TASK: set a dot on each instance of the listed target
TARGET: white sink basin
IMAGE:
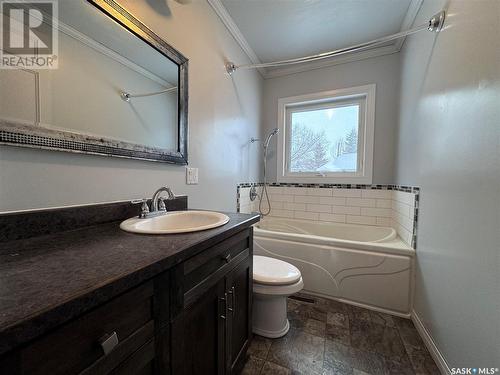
(175, 222)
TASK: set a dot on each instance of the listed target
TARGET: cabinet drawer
(139, 363)
(76, 345)
(105, 364)
(201, 266)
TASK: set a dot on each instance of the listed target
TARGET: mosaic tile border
(404, 188)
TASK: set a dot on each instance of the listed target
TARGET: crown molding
(233, 29)
(228, 21)
(411, 15)
(101, 48)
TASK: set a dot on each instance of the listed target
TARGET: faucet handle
(161, 204)
(144, 206)
(170, 193)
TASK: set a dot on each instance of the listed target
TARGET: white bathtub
(364, 265)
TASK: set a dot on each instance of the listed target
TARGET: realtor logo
(29, 34)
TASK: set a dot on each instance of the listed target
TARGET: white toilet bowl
(273, 281)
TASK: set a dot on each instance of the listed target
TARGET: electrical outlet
(191, 176)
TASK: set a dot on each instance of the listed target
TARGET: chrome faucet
(157, 203)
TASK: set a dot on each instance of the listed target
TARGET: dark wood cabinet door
(198, 335)
(239, 330)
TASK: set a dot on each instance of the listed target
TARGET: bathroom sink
(175, 222)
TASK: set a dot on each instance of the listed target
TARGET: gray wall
(383, 71)
(448, 144)
(224, 113)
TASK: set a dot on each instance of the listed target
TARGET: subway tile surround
(381, 205)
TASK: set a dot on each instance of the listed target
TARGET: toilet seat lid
(271, 271)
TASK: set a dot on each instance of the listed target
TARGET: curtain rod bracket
(230, 67)
(125, 96)
(436, 23)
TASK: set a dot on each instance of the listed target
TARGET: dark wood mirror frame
(20, 134)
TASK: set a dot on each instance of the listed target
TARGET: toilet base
(269, 315)
(272, 334)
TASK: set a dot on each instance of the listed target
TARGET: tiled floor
(328, 337)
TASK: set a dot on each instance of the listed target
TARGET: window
(327, 137)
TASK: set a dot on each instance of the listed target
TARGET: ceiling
(284, 29)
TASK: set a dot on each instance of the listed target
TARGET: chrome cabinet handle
(223, 316)
(227, 257)
(232, 292)
(233, 297)
(232, 301)
(108, 342)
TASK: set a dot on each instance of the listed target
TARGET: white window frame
(362, 95)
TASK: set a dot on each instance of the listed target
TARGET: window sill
(365, 180)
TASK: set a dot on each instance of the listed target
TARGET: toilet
(273, 281)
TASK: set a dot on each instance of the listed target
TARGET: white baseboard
(431, 345)
(359, 304)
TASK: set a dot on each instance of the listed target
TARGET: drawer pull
(227, 258)
(108, 342)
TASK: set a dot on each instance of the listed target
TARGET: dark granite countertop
(50, 279)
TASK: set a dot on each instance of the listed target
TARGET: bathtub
(363, 265)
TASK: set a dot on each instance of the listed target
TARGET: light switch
(191, 176)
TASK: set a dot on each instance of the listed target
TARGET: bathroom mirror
(118, 89)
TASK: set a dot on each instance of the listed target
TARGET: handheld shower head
(266, 145)
(268, 139)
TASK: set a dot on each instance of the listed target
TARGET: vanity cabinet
(193, 318)
(211, 325)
